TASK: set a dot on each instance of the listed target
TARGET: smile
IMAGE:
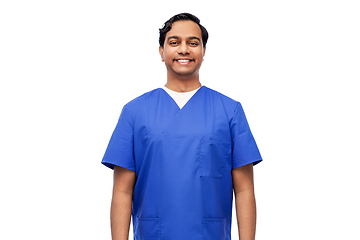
(184, 61)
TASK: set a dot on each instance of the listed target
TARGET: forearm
(246, 214)
(120, 215)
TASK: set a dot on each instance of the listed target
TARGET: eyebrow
(189, 38)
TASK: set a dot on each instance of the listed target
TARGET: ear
(161, 51)
(204, 51)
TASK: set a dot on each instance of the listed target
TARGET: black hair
(182, 16)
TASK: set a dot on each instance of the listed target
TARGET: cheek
(168, 52)
(200, 56)
(199, 53)
(167, 57)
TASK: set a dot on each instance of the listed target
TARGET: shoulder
(132, 106)
(229, 104)
(140, 99)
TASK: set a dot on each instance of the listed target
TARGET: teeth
(183, 61)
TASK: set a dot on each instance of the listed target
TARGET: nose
(183, 48)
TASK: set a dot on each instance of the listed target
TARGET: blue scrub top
(183, 160)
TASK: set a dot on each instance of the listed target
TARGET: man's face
(183, 49)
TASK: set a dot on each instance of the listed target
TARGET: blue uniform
(183, 160)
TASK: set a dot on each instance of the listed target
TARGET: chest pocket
(213, 158)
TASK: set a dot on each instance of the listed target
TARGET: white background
(68, 67)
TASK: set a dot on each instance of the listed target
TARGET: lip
(184, 60)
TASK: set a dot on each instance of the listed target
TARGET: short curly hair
(182, 16)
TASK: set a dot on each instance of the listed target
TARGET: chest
(202, 116)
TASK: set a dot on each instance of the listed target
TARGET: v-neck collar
(174, 102)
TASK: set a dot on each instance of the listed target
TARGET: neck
(182, 84)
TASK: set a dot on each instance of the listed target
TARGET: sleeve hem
(111, 164)
(254, 162)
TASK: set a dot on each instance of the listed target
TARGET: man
(178, 152)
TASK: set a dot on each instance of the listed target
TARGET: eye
(173, 43)
(194, 44)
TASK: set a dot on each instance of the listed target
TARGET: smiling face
(183, 50)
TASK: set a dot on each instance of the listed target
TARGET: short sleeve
(120, 150)
(244, 148)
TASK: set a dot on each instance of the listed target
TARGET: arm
(121, 204)
(245, 201)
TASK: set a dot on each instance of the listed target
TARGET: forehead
(184, 28)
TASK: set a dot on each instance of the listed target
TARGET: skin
(121, 204)
(245, 203)
(183, 42)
